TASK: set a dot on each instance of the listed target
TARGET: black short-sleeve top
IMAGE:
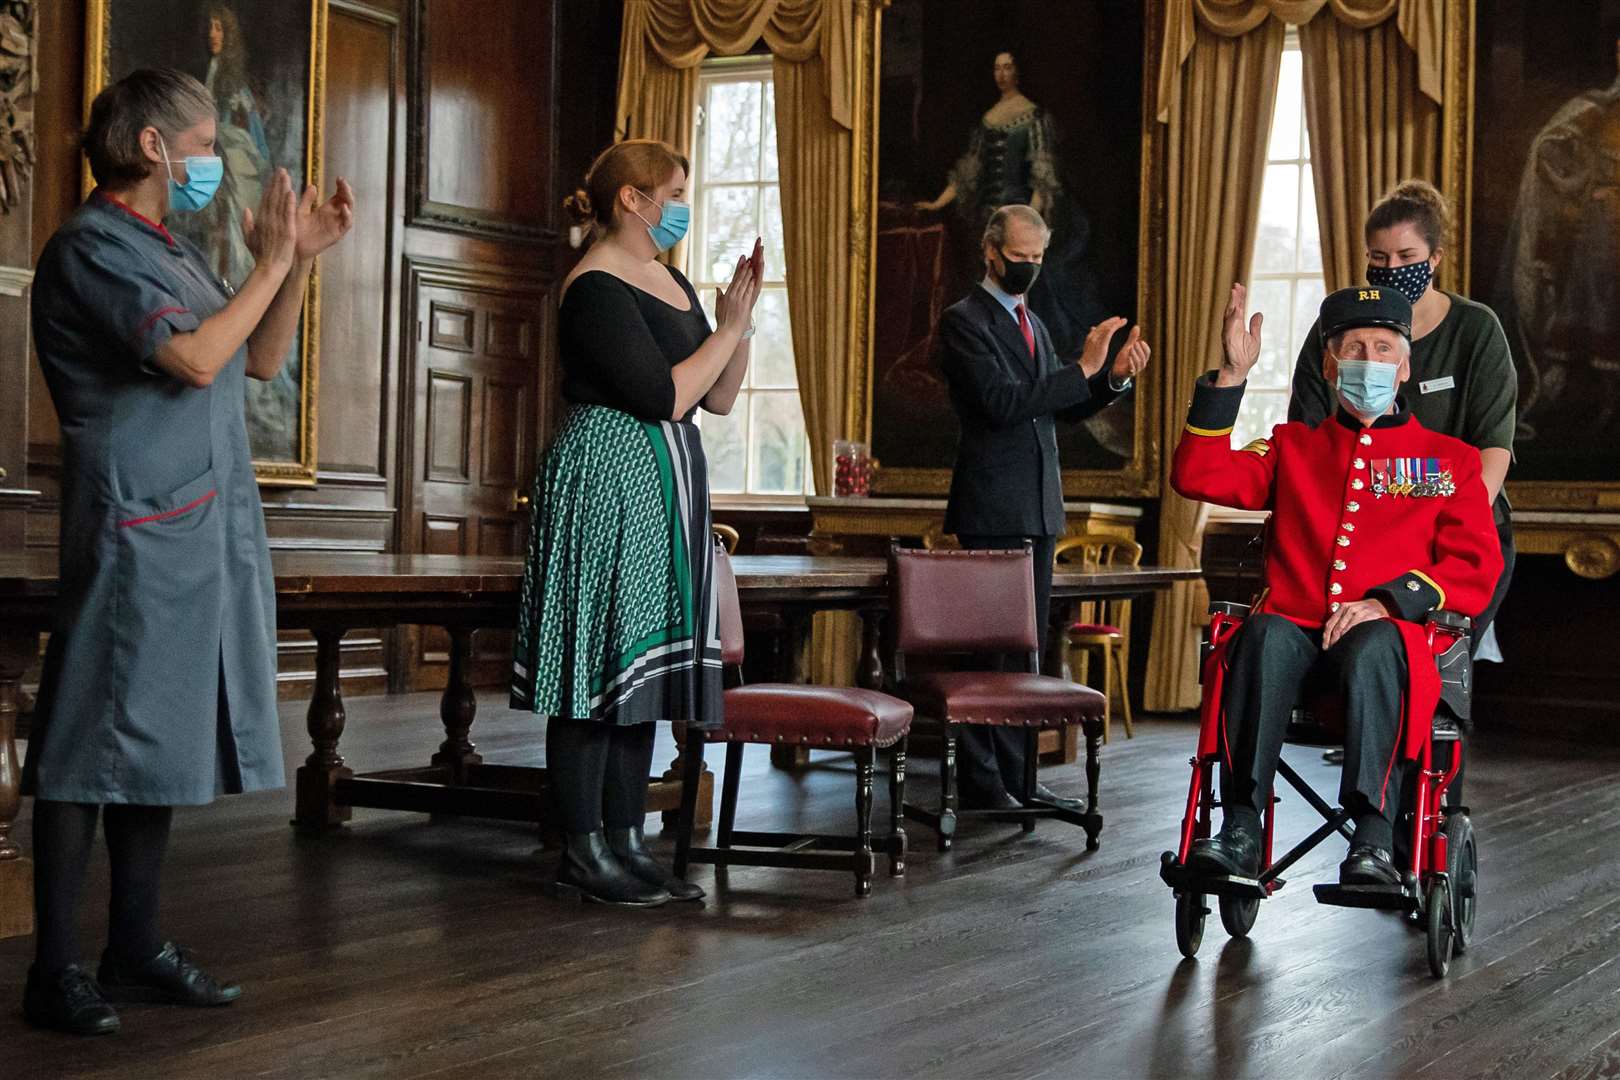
(618, 344)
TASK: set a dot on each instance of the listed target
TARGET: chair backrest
(962, 601)
(1095, 551)
(725, 589)
(727, 536)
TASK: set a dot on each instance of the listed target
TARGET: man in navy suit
(1008, 387)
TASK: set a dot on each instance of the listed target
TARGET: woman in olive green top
(1463, 383)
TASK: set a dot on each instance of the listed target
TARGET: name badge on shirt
(1432, 385)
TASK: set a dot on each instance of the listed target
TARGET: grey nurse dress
(159, 683)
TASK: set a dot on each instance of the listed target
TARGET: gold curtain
(1218, 111)
(812, 42)
(1370, 125)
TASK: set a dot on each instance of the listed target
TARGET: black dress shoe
(68, 1001)
(1047, 795)
(1368, 865)
(590, 871)
(1234, 851)
(169, 978)
(630, 845)
(989, 800)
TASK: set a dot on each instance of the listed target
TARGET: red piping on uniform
(146, 323)
(1399, 738)
(192, 505)
(136, 214)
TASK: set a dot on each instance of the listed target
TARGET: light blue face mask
(672, 223)
(1367, 387)
(203, 175)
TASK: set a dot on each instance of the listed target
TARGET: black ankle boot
(630, 845)
(590, 871)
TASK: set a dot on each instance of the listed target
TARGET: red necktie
(1029, 331)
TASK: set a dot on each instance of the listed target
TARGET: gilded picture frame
(1135, 472)
(1539, 195)
(273, 117)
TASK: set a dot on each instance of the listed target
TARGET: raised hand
(1132, 358)
(735, 306)
(319, 227)
(272, 233)
(1095, 352)
(1240, 345)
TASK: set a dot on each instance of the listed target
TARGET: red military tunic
(1392, 511)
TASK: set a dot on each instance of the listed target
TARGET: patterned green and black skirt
(618, 620)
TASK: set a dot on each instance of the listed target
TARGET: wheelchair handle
(1450, 620)
(1227, 607)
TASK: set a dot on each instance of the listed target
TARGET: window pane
(1261, 412)
(1271, 298)
(767, 164)
(1308, 293)
(1279, 210)
(731, 144)
(778, 434)
(771, 211)
(1285, 121)
(729, 228)
(1310, 231)
(723, 446)
(772, 366)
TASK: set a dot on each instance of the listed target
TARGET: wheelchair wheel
(1462, 867)
(1190, 912)
(1237, 915)
(1437, 910)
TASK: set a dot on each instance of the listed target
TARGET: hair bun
(578, 206)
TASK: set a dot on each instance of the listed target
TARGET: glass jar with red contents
(852, 469)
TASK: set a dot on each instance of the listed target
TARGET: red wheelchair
(1435, 848)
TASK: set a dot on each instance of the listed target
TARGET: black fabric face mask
(1018, 277)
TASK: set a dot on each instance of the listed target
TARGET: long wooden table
(330, 594)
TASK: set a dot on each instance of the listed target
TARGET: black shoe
(630, 845)
(1234, 851)
(69, 1001)
(1047, 795)
(1368, 865)
(590, 871)
(169, 978)
(989, 800)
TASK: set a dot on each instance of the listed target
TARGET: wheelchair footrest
(1184, 879)
(1381, 897)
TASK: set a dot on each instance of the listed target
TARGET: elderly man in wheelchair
(1376, 525)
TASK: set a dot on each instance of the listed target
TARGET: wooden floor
(399, 947)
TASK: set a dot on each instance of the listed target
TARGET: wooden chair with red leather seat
(1103, 625)
(982, 603)
(834, 718)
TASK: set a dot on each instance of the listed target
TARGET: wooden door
(480, 397)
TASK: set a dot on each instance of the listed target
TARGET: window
(1285, 279)
(760, 449)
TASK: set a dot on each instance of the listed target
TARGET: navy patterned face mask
(1411, 280)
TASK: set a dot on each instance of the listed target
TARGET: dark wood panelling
(449, 427)
(358, 287)
(444, 535)
(450, 327)
(484, 146)
(506, 432)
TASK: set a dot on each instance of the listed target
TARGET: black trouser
(990, 759)
(1275, 665)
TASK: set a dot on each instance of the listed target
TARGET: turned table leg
(16, 872)
(458, 708)
(318, 776)
(676, 773)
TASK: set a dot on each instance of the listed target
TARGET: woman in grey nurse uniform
(159, 685)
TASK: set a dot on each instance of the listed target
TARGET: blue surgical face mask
(672, 222)
(203, 175)
(1367, 387)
